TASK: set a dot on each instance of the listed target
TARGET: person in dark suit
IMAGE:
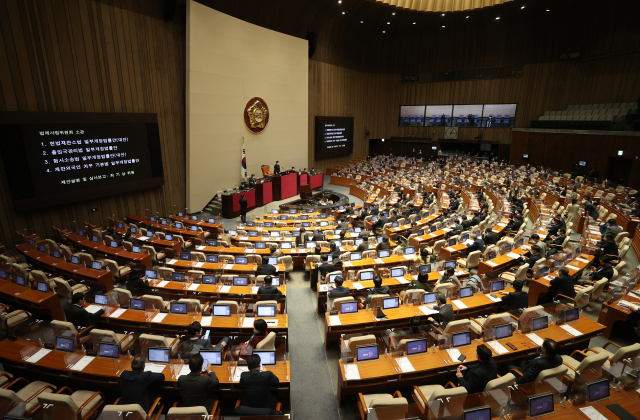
(561, 285)
(378, 288)
(300, 239)
(594, 174)
(489, 237)
(385, 244)
(454, 205)
(318, 236)
(138, 386)
(598, 273)
(608, 246)
(243, 209)
(325, 266)
(533, 259)
(334, 251)
(137, 280)
(591, 209)
(77, 315)
(268, 290)
(445, 310)
(257, 386)
(193, 342)
(477, 375)
(611, 227)
(337, 292)
(548, 360)
(252, 181)
(477, 245)
(276, 167)
(558, 223)
(555, 245)
(516, 300)
(266, 269)
(194, 386)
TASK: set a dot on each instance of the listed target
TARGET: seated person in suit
(364, 246)
(275, 251)
(445, 310)
(449, 277)
(561, 285)
(318, 236)
(257, 386)
(555, 243)
(558, 222)
(226, 237)
(77, 315)
(598, 273)
(423, 258)
(489, 237)
(137, 280)
(138, 386)
(378, 288)
(475, 377)
(533, 258)
(543, 245)
(194, 386)
(611, 227)
(269, 291)
(259, 333)
(266, 269)
(607, 247)
(516, 300)
(385, 244)
(548, 360)
(193, 342)
(325, 266)
(477, 245)
(337, 292)
(334, 251)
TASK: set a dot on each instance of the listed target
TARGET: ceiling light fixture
(522, 7)
(362, 21)
(393, 14)
(344, 13)
(467, 17)
(498, 18)
(384, 32)
(548, 10)
(388, 23)
(339, 1)
(442, 14)
(414, 23)
(443, 26)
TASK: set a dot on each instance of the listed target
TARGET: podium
(305, 192)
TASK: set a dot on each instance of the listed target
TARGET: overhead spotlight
(339, 1)
(393, 14)
(388, 23)
(414, 23)
(498, 18)
(522, 7)
(442, 14)
(362, 21)
(443, 26)
(384, 32)
(548, 10)
(467, 17)
(344, 13)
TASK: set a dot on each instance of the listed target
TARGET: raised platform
(320, 200)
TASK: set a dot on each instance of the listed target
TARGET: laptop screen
(355, 256)
(286, 245)
(178, 225)
(114, 244)
(212, 242)
(267, 357)
(42, 248)
(212, 259)
(465, 237)
(275, 234)
(268, 224)
(179, 308)
(251, 224)
(178, 277)
(384, 253)
(323, 224)
(433, 228)
(273, 260)
(158, 355)
(3, 274)
(571, 314)
(21, 281)
(366, 275)
(185, 256)
(214, 357)
(348, 307)
(450, 264)
(461, 339)
(253, 233)
(208, 279)
(135, 249)
(164, 222)
(274, 211)
(504, 331)
(221, 310)
(134, 229)
(395, 224)
(390, 303)
(266, 311)
(137, 304)
(261, 245)
(306, 224)
(310, 245)
(56, 253)
(480, 413)
(364, 353)
(233, 232)
(240, 281)
(111, 351)
(507, 248)
(100, 299)
(64, 344)
(332, 277)
(424, 268)
(359, 241)
(75, 259)
(466, 292)
(417, 346)
(211, 220)
(43, 287)
(168, 237)
(452, 242)
(397, 272)
(283, 217)
(242, 260)
(497, 285)
(96, 265)
(409, 250)
(540, 405)
(194, 228)
(540, 323)
(598, 390)
(292, 211)
(429, 298)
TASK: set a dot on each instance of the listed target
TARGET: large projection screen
(228, 62)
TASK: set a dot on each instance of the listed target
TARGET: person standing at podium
(243, 209)
(276, 167)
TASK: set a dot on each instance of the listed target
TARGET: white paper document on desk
(351, 372)
(206, 321)
(34, 358)
(454, 354)
(93, 308)
(117, 313)
(570, 330)
(334, 320)
(535, 338)
(592, 413)
(491, 263)
(193, 286)
(378, 261)
(428, 311)
(82, 363)
(357, 286)
(494, 299)
(513, 255)
(459, 304)
(200, 247)
(401, 280)
(163, 283)
(247, 322)
(323, 287)
(172, 261)
(405, 364)
(152, 367)
(199, 264)
(499, 348)
(185, 370)
(239, 370)
(225, 289)
(159, 318)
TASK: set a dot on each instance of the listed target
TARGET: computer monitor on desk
(385, 253)
(266, 311)
(479, 413)
(212, 259)
(221, 310)
(571, 314)
(209, 279)
(366, 275)
(214, 357)
(64, 344)
(391, 303)
(416, 346)
(367, 353)
(449, 264)
(348, 307)
(503, 331)
(99, 299)
(108, 350)
(429, 298)
(240, 281)
(267, 357)
(179, 308)
(465, 292)
(497, 285)
(598, 390)
(541, 404)
(158, 355)
(424, 269)
(461, 339)
(540, 323)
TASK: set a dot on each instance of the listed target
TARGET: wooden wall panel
(94, 56)
(561, 150)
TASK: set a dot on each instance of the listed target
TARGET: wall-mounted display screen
(334, 136)
(53, 158)
(478, 115)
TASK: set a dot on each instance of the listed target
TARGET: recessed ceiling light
(362, 21)
(522, 7)
(498, 18)
(393, 14)
(339, 1)
(548, 10)
(442, 14)
(414, 23)
(384, 32)
(344, 13)
(467, 17)
(388, 23)
(443, 26)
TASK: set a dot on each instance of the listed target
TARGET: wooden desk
(419, 225)
(206, 289)
(429, 238)
(158, 244)
(264, 193)
(96, 278)
(225, 268)
(100, 373)
(501, 262)
(231, 203)
(118, 254)
(542, 285)
(384, 375)
(211, 227)
(185, 233)
(612, 313)
(31, 300)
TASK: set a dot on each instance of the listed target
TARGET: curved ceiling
(441, 6)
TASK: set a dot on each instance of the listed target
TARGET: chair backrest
(448, 393)
(232, 303)
(337, 301)
(63, 288)
(503, 382)
(126, 408)
(385, 400)
(414, 294)
(267, 343)
(598, 287)
(9, 395)
(154, 302)
(193, 411)
(457, 326)
(628, 352)
(361, 340)
(592, 362)
(195, 303)
(473, 259)
(123, 295)
(555, 372)
(444, 288)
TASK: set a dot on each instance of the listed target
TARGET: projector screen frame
(317, 148)
(14, 166)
